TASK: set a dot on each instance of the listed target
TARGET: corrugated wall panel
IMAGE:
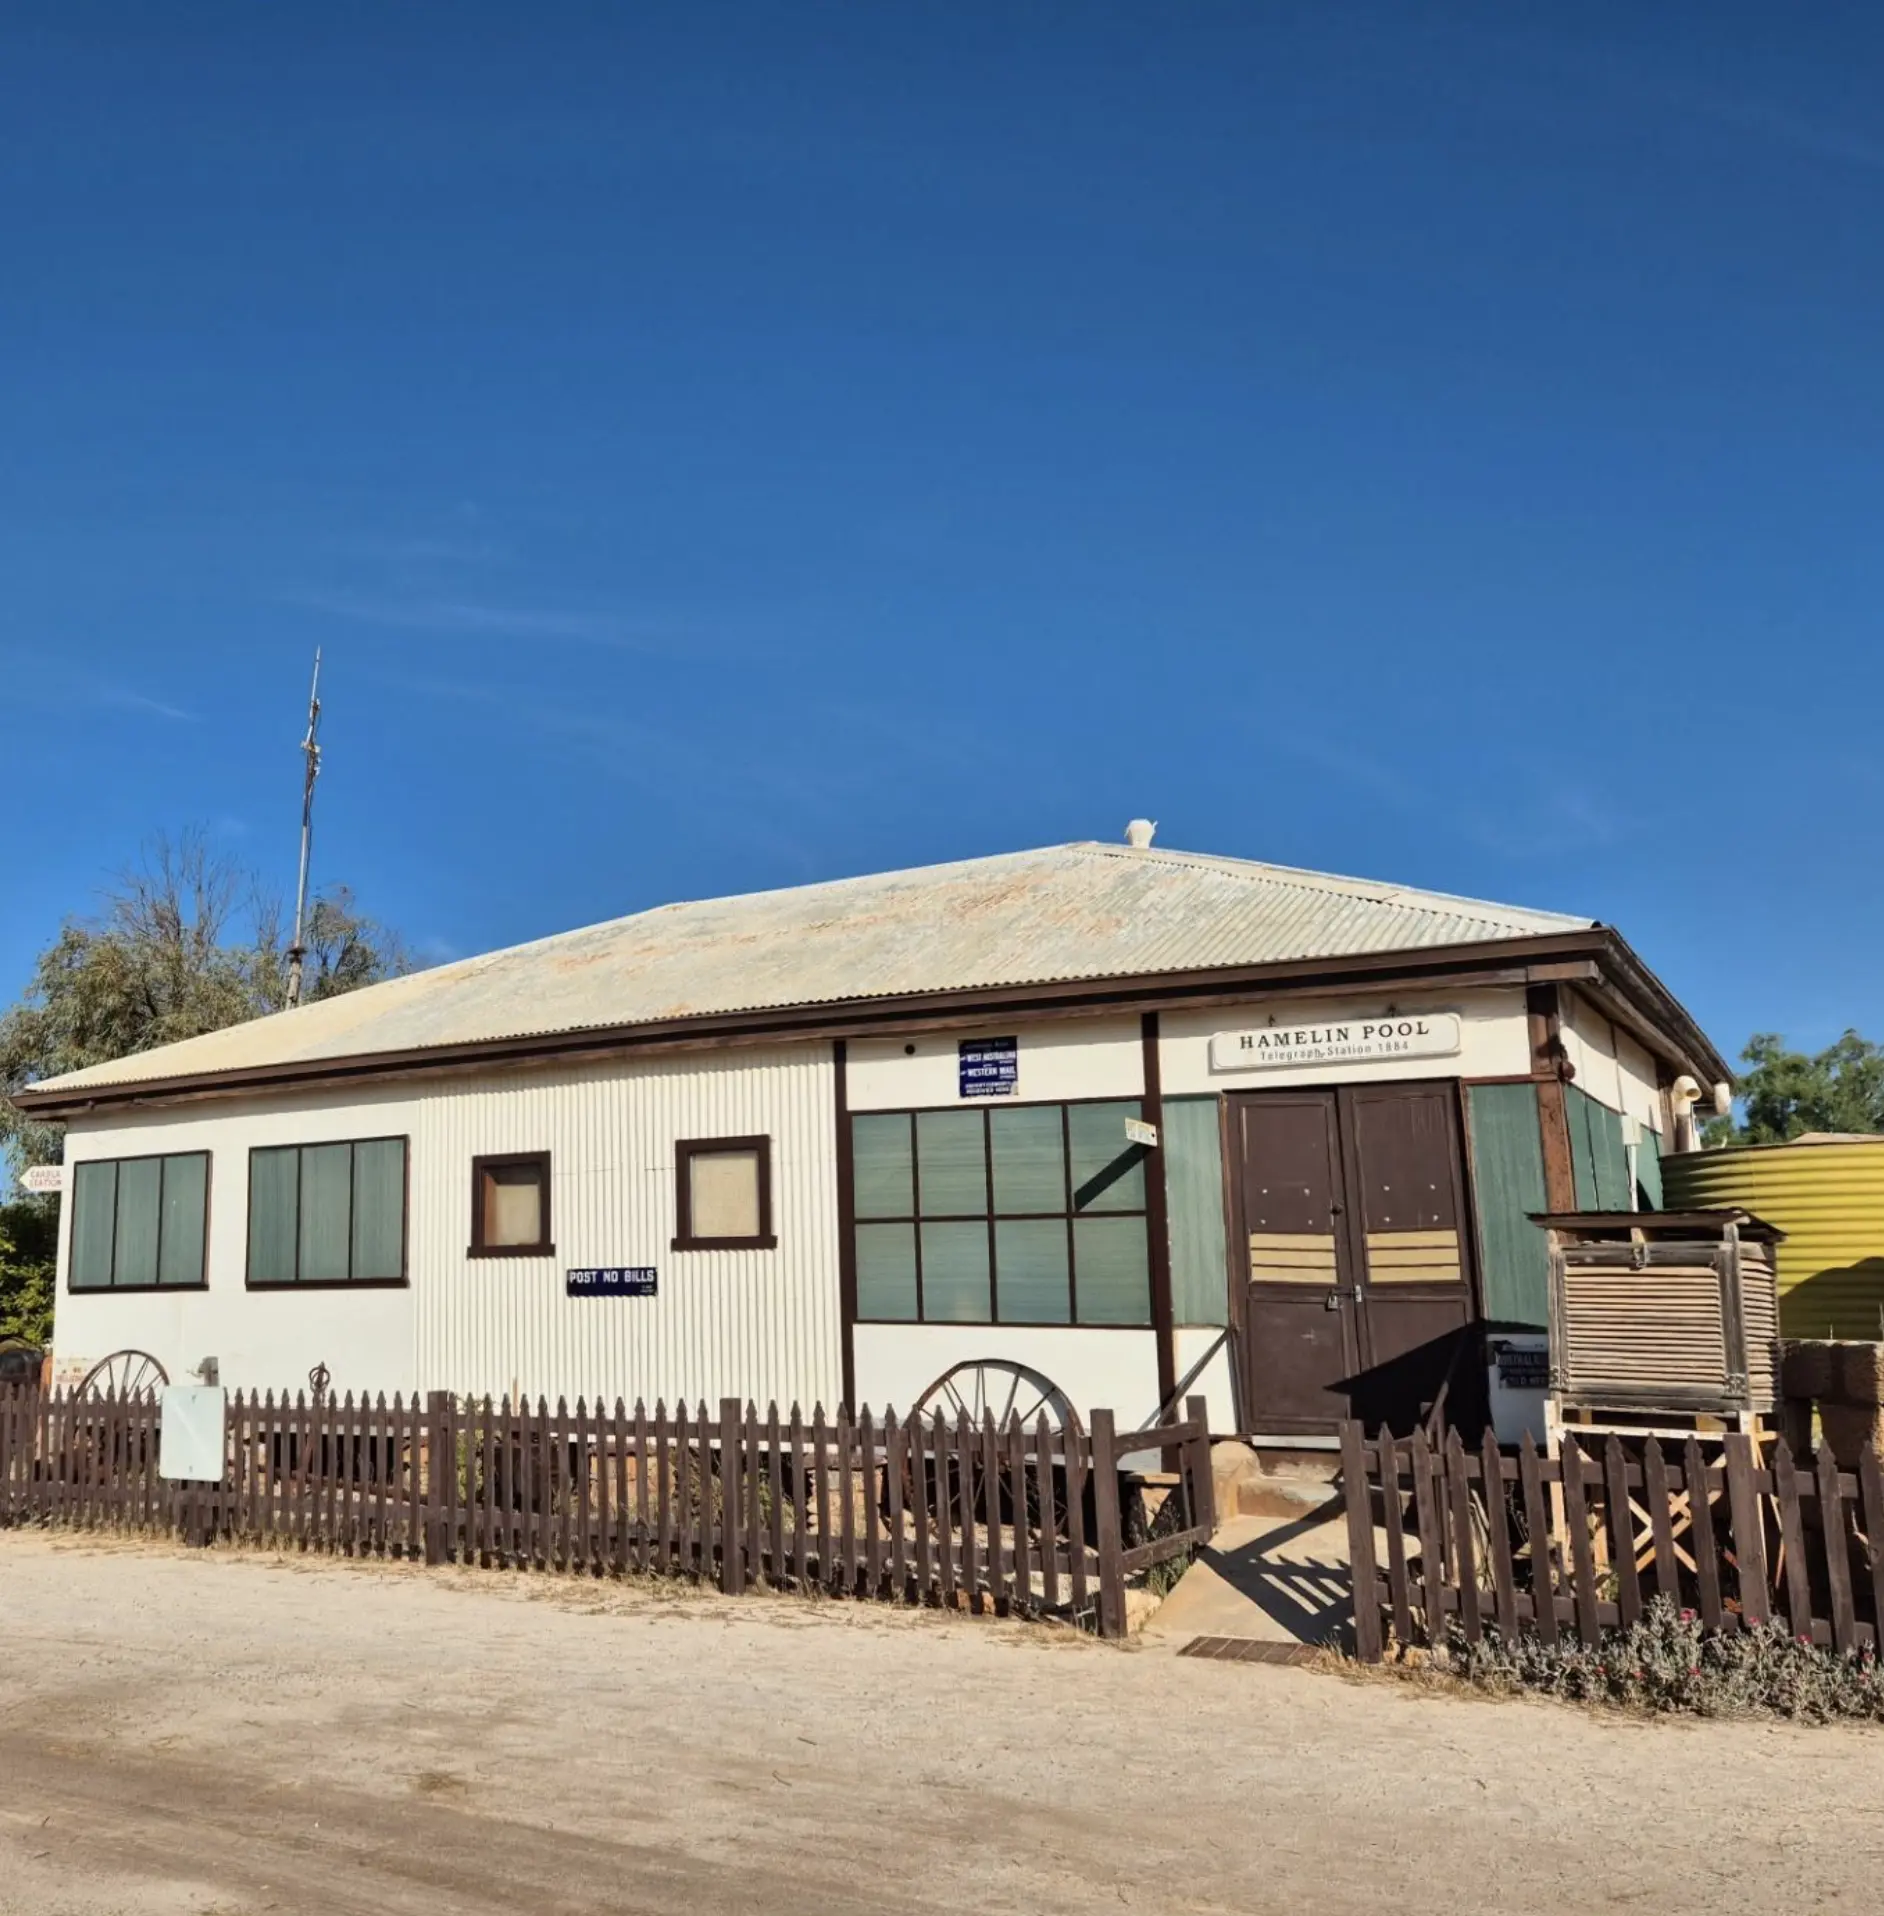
(1829, 1200)
(760, 1323)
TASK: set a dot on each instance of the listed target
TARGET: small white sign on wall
(189, 1447)
(1424, 1034)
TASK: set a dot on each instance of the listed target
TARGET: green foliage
(1668, 1663)
(1784, 1094)
(29, 1250)
(186, 943)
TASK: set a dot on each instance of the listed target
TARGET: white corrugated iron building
(1108, 1122)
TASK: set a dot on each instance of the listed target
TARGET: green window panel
(1507, 1187)
(139, 1223)
(1110, 1256)
(274, 1215)
(1108, 1170)
(1597, 1157)
(883, 1165)
(94, 1215)
(1193, 1196)
(1648, 1170)
(328, 1213)
(1036, 1274)
(1027, 1144)
(886, 1272)
(952, 1163)
(955, 1277)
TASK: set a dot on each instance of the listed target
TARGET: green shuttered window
(328, 1213)
(1596, 1154)
(1193, 1196)
(1507, 1186)
(140, 1223)
(1019, 1214)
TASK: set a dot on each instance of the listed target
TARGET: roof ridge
(1376, 891)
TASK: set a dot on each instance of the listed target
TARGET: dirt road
(238, 1733)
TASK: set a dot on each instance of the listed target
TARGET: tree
(1784, 1094)
(187, 942)
(29, 1250)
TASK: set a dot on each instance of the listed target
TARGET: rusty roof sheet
(1063, 913)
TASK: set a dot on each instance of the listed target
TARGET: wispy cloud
(122, 695)
(470, 618)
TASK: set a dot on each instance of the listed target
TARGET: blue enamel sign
(990, 1067)
(614, 1280)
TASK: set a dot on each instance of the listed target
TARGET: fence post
(435, 1461)
(1110, 1542)
(1360, 1501)
(732, 1530)
(1203, 1481)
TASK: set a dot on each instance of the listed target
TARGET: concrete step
(1272, 1482)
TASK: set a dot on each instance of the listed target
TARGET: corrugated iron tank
(1827, 1195)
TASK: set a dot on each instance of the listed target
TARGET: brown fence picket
(821, 1495)
(801, 1504)
(846, 1584)
(663, 1489)
(1621, 1534)
(642, 1465)
(894, 1453)
(1792, 1542)
(1022, 1595)
(1658, 1494)
(1748, 1520)
(939, 1480)
(872, 1528)
(1360, 1503)
(1871, 1508)
(1837, 1551)
(1705, 1546)
(754, 1492)
(1465, 1557)
(1426, 1512)
(1582, 1555)
(1048, 1505)
(999, 1559)
(1110, 1541)
(1078, 1477)
(1393, 1512)
(1498, 1534)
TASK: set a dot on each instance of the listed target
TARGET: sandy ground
(228, 1733)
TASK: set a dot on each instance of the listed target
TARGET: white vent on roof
(1138, 833)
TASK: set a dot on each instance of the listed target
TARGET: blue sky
(722, 447)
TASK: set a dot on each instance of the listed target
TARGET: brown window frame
(280, 1286)
(685, 1151)
(199, 1283)
(545, 1246)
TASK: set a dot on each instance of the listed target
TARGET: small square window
(510, 1206)
(723, 1199)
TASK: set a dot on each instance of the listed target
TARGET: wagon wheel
(998, 1387)
(124, 1374)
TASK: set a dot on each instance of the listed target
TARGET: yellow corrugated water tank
(1827, 1195)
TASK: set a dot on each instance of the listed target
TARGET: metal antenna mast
(311, 752)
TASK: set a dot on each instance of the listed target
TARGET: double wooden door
(1350, 1219)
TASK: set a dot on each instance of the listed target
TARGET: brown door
(1406, 1206)
(1349, 1207)
(1299, 1343)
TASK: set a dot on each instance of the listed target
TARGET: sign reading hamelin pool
(1428, 1034)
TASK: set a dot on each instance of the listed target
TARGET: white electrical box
(190, 1448)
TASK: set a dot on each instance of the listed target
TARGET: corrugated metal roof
(1063, 913)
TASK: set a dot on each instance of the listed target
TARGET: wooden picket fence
(916, 1510)
(1445, 1536)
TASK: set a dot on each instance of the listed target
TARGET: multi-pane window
(1022, 1214)
(510, 1206)
(139, 1223)
(328, 1213)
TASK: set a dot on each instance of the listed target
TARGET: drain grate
(1249, 1650)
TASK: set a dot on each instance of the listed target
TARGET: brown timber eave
(1591, 956)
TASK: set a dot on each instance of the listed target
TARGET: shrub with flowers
(1668, 1662)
